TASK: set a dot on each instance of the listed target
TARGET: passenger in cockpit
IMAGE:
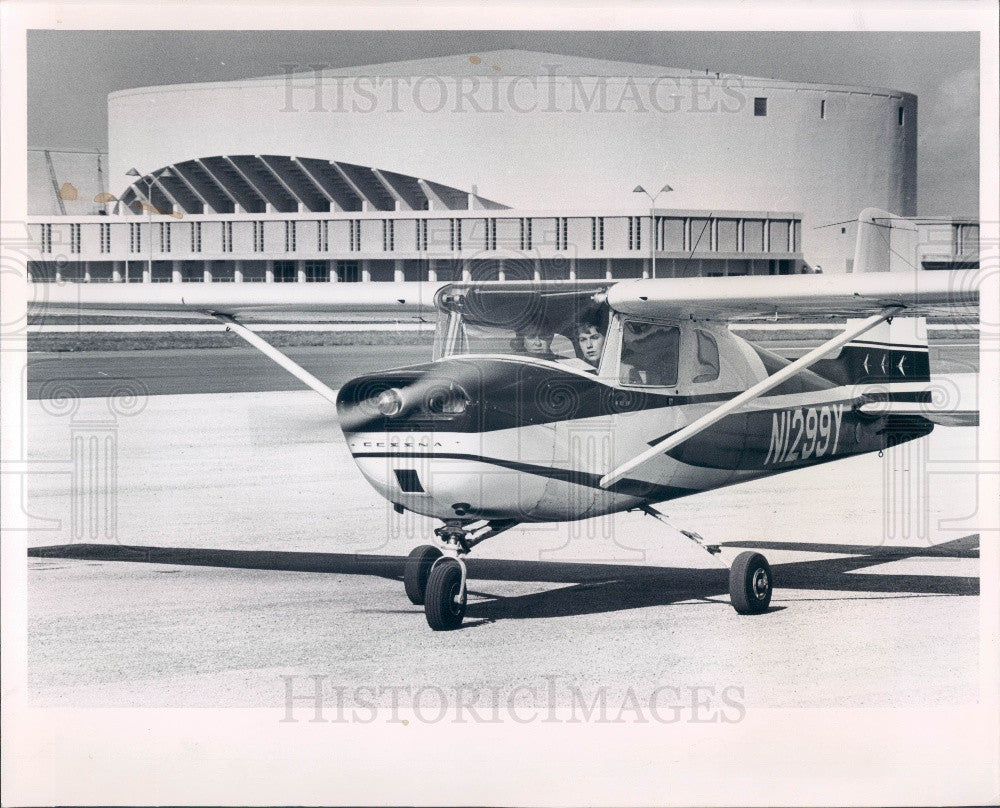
(538, 343)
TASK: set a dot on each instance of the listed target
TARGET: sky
(70, 74)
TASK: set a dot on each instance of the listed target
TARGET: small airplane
(564, 400)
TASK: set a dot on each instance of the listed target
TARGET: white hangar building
(505, 163)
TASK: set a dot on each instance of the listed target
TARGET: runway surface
(203, 546)
(205, 370)
(244, 369)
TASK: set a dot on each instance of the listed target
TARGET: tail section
(893, 351)
(885, 243)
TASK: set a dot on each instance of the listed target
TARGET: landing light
(390, 402)
(449, 401)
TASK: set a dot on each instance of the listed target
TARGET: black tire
(440, 607)
(415, 571)
(750, 583)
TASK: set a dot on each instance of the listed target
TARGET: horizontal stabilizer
(923, 410)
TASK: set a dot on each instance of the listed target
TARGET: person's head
(590, 334)
(591, 342)
(538, 341)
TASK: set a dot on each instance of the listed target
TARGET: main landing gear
(750, 579)
(750, 583)
(436, 578)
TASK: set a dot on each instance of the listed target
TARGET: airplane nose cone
(448, 439)
(390, 400)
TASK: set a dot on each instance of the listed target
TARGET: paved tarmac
(192, 550)
(205, 370)
(244, 369)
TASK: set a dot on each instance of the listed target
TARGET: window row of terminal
(407, 246)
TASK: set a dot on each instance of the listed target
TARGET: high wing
(235, 299)
(799, 297)
(885, 275)
(231, 303)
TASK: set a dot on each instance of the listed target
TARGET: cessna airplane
(564, 400)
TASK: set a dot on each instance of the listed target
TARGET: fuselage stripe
(629, 487)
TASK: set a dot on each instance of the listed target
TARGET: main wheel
(415, 571)
(750, 583)
(443, 606)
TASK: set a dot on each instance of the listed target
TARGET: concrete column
(607, 269)
(86, 271)
(333, 272)
(237, 272)
(466, 270)
(501, 270)
(645, 267)
(206, 274)
(116, 271)
(398, 275)
(432, 274)
(300, 271)
(269, 271)
(366, 270)
(572, 268)
(538, 269)
(58, 274)
(147, 274)
(176, 274)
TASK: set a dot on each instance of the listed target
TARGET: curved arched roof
(282, 184)
(509, 63)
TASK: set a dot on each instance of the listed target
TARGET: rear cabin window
(708, 358)
(649, 354)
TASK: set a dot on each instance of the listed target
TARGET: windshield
(564, 323)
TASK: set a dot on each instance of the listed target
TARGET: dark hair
(537, 330)
(594, 318)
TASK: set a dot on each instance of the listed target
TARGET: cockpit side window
(650, 354)
(708, 358)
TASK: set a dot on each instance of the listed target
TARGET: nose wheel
(435, 576)
(446, 596)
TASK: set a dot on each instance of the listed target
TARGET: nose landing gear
(437, 577)
(446, 596)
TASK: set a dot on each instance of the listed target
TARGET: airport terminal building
(507, 164)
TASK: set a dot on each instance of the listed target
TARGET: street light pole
(148, 180)
(652, 220)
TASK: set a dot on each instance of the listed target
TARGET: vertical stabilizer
(886, 243)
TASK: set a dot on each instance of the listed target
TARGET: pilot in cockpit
(590, 334)
(585, 335)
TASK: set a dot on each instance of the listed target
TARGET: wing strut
(271, 352)
(720, 412)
